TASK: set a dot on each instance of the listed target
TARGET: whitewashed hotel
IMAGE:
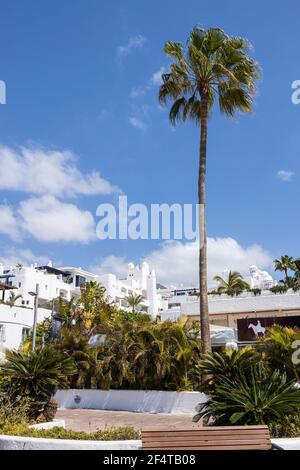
(17, 320)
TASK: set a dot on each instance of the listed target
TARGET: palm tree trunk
(204, 315)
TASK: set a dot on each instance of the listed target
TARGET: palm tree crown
(284, 264)
(211, 64)
(235, 283)
(134, 301)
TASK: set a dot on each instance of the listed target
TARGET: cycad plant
(227, 363)
(256, 398)
(211, 66)
(36, 375)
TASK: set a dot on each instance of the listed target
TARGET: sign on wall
(251, 329)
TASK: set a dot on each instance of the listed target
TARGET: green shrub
(254, 397)
(288, 426)
(35, 376)
(112, 434)
(13, 413)
(226, 364)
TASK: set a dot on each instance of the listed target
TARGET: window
(25, 333)
(79, 280)
(2, 334)
(20, 284)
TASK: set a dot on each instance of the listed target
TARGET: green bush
(289, 426)
(13, 412)
(112, 434)
(35, 376)
(257, 396)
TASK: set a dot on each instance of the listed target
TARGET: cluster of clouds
(177, 261)
(133, 43)
(139, 118)
(49, 177)
(285, 175)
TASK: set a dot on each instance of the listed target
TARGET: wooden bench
(209, 438)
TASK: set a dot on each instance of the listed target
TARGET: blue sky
(81, 78)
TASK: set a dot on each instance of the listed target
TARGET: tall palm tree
(211, 65)
(284, 264)
(134, 301)
(234, 284)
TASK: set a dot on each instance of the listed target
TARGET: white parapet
(139, 401)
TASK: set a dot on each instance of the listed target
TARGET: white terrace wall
(139, 401)
(14, 320)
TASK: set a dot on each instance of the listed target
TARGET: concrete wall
(139, 401)
(32, 443)
(14, 320)
(29, 443)
(246, 302)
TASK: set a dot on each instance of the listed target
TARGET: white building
(17, 320)
(140, 280)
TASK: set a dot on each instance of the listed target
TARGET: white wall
(32, 443)
(139, 401)
(14, 320)
(244, 303)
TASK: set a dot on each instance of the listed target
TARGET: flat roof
(6, 286)
(51, 270)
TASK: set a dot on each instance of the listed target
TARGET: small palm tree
(212, 66)
(234, 285)
(285, 264)
(134, 301)
(12, 300)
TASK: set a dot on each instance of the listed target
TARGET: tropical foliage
(256, 397)
(138, 354)
(280, 346)
(233, 285)
(134, 301)
(35, 376)
(286, 264)
(12, 300)
(211, 66)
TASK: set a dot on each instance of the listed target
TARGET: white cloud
(111, 265)
(285, 176)
(49, 220)
(134, 42)
(40, 171)
(8, 222)
(176, 263)
(136, 122)
(156, 78)
(137, 92)
(10, 256)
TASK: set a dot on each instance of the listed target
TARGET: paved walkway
(91, 420)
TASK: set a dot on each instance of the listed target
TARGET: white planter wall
(140, 401)
(34, 443)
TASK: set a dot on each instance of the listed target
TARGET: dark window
(79, 280)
